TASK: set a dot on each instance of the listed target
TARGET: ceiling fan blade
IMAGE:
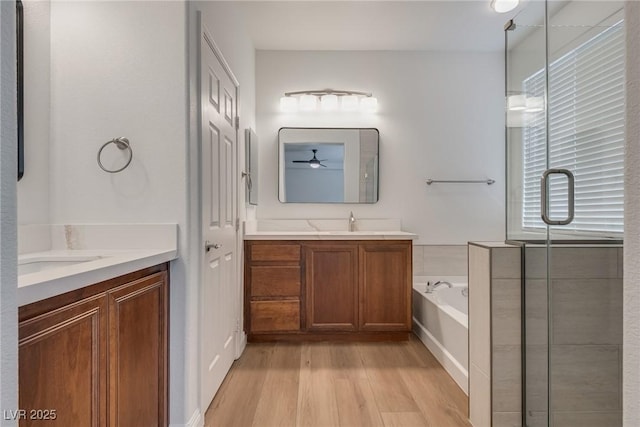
(322, 160)
(300, 161)
(322, 165)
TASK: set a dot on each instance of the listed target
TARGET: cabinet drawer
(275, 252)
(275, 281)
(275, 316)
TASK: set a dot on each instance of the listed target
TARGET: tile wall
(586, 346)
(494, 335)
(440, 260)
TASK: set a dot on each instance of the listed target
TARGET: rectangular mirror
(251, 166)
(324, 165)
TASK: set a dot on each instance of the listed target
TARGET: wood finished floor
(338, 384)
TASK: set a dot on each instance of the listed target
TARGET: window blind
(586, 136)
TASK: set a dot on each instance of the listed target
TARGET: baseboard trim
(242, 344)
(196, 420)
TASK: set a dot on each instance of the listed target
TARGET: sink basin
(35, 265)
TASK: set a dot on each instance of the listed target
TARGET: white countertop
(325, 229)
(330, 235)
(88, 254)
(112, 263)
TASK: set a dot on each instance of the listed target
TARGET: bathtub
(440, 320)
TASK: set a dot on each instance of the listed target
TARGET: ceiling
(448, 25)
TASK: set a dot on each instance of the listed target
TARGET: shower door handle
(544, 200)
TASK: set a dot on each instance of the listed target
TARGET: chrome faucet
(431, 288)
(352, 222)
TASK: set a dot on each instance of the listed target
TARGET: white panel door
(219, 274)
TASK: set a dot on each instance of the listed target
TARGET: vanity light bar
(329, 100)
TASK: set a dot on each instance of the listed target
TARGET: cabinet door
(62, 366)
(385, 286)
(331, 285)
(137, 353)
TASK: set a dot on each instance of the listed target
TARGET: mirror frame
(331, 128)
(20, 85)
(251, 166)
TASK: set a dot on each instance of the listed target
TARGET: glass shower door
(565, 127)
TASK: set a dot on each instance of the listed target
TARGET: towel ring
(123, 144)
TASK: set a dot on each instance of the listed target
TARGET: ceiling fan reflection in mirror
(313, 162)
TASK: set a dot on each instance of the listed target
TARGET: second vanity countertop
(79, 256)
(326, 229)
(95, 266)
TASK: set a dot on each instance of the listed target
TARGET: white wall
(440, 116)
(631, 298)
(120, 69)
(8, 217)
(33, 188)
(225, 23)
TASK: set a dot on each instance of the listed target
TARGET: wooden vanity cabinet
(331, 286)
(328, 289)
(273, 278)
(97, 356)
(62, 365)
(385, 286)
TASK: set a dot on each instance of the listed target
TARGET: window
(586, 136)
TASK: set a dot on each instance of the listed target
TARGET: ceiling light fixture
(330, 100)
(504, 6)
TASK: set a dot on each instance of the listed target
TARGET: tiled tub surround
(113, 249)
(494, 335)
(586, 285)
(440, 260)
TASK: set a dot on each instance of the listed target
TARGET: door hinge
(237, 122)
(237, 224)
(237, 325)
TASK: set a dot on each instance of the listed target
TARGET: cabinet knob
(208, 246)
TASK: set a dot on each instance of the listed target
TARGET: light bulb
(308, 103)
(503, 6)
(534, 104)
(314, 165)
(329, 102)
(516, 103)
(369, 104)
(288, 104)
(350, 102)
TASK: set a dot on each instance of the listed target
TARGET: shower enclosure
(564, 146)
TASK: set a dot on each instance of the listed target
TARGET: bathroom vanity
(93, 325)
(325, 285)
(98, 355)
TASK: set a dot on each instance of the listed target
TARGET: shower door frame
(550, 243)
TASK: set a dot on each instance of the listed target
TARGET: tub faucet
(352, 221)
(431, 288)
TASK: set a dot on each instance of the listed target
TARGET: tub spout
(431, 288)
(442, 282)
